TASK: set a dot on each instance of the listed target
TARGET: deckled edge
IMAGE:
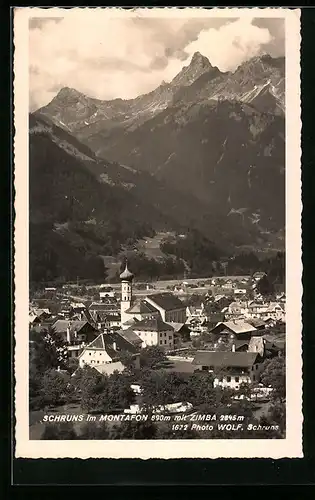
(133, 10)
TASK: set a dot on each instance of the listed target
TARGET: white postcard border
(289, 447)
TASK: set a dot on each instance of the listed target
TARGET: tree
(217, 401)
(90, 384)
(152, 357)
(128, 361)
(47, 350)
(161, 388)
(35, 383)
(197, 389)
(243, 406)
(197, 343)
(54, 387)
(102, 393)
(273, 374)
(265, 286)
(118, 394)
(72, 365)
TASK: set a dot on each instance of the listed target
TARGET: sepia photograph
(157, 236)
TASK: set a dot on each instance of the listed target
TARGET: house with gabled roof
(37, 316)
(229, 368)
(170, 307)
(75, 331)
(154, 331)
(108, 348)
(142, 309)
(129, 335)
(236, 329)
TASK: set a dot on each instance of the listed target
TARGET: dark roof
(130, 336)
(131, 322)
(225, 359)
(113, 317)
(106, 341)
(256, 322)
(180, 366)
(214, 317)
(100, 307)
(236, 326)
(176, 326)
(46, 325)
(141, 307)
(166, 301)
(153, 324)
(88, 316)
(61, 325)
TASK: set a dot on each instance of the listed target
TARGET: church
(155, 318)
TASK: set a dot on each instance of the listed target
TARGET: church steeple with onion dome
(126, 293)
(126, 275)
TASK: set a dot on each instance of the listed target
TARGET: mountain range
(206, 150)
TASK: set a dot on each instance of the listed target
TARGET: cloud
(232, 44)
(123, 57)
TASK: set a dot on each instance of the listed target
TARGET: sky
(124, 57)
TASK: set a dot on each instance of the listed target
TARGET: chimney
(68, 334)
(233, 347)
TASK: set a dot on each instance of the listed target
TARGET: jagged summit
(199, 59)
(199, 65)
(263, 59)
(69, 92)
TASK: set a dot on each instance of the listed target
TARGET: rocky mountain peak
(200, 60)
(69, 94)
(199, 64)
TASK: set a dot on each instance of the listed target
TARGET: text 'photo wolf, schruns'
(156, 228)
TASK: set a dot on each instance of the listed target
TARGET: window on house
(228, 378)
(170, 337)
(237, 379)
(165, 341)
(90, 353)
(161, 342)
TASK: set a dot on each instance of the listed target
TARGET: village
(229, 328)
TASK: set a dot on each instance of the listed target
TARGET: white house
(155, 332)
(106, 291)
(108, 348)
(170, 307)
(230, 369)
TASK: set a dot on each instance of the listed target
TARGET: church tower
(126, 294)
